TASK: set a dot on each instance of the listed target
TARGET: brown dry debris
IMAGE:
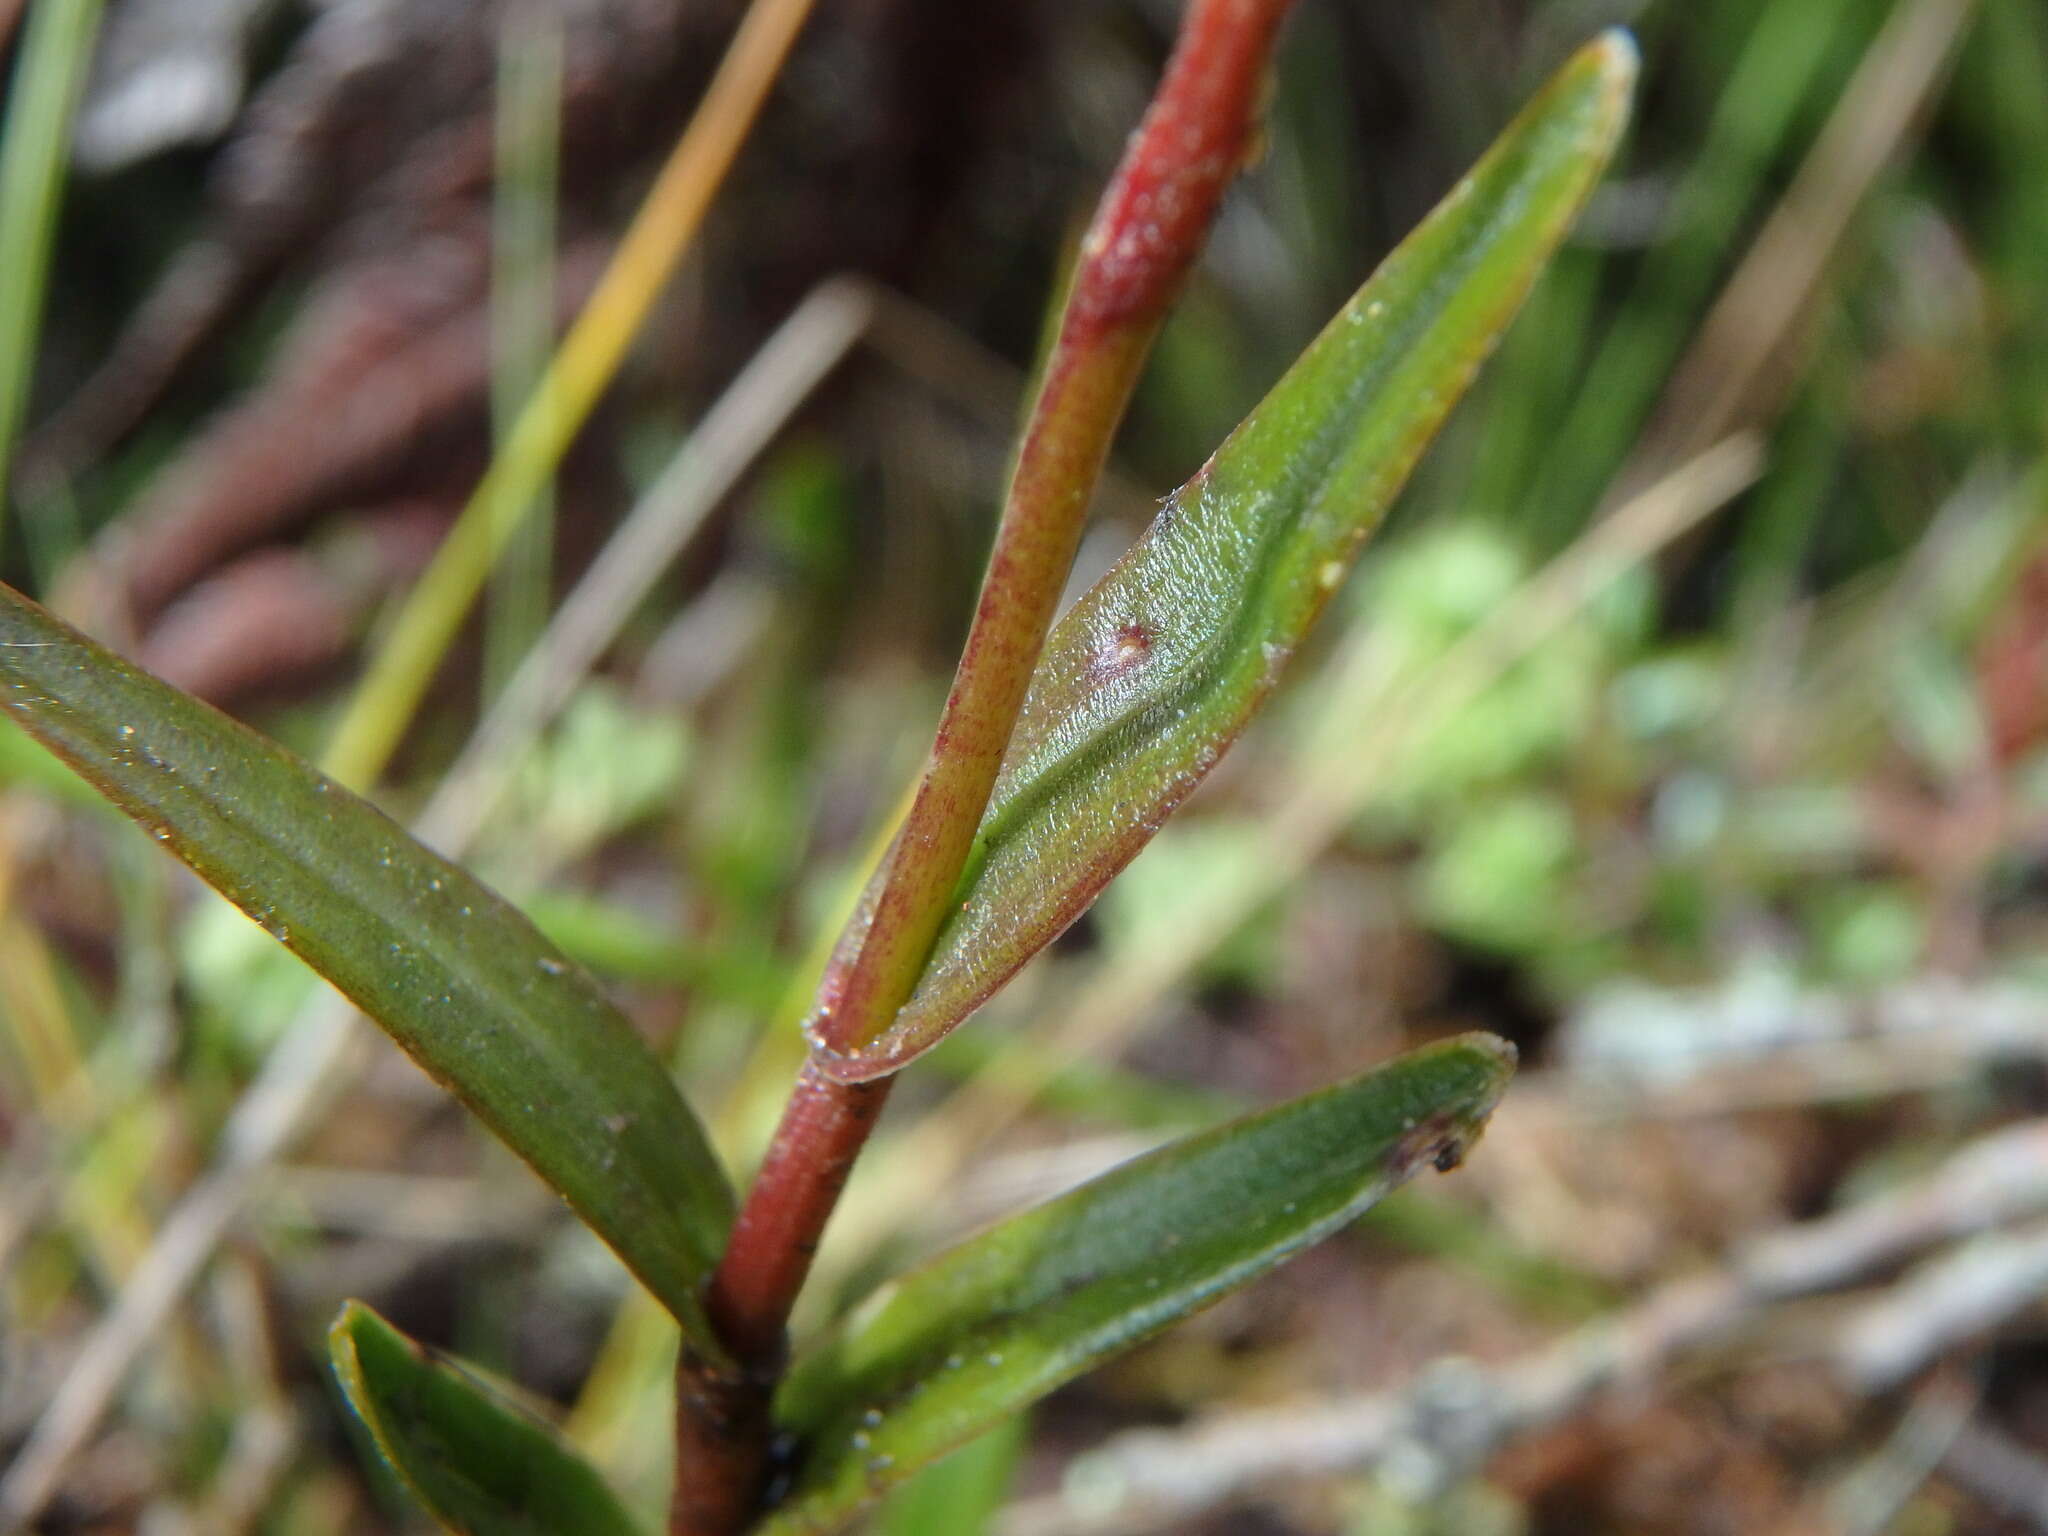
(1670, 1464)
(363, 169)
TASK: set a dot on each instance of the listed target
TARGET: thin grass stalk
(528, 123)
(321, 1051)
(583, 367)
(1784, 63)
(48, 76)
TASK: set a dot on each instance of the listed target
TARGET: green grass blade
(1156, 670)
(583, 366)
(527, 120)
(979, 1333)
(452, 972)
(478, 1461)
(1779, 72)
(47, 78)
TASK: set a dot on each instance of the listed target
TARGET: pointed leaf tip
(1619, 55)
(480, 1462)
(974, 1336)
(1147, 680)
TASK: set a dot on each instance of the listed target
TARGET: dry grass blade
(1456, 1414)
(588, 357)
(731, 436)
(1744, 360)
(323, 1050)
(301, 1074)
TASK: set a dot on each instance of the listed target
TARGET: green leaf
(476, 1459)
(1156, 670)
(960, 1495)
(452, 972)
(977, 1334)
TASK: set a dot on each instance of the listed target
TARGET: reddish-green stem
(1144, 238)
(1137, 252)
(722, 1427)
(823, 1128)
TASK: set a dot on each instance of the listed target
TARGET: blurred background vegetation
(1686, 725)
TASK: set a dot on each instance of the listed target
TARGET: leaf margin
(893, 1390)
(638, 1167)
(550, 1462)
(1120, 666)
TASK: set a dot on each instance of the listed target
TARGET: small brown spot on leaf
(1441, 1140)
(1127, 648)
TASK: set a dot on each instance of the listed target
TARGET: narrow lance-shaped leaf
(478, 1461)
(962, 1342)
(451, 971)
(1138, 250)
(1146, 681)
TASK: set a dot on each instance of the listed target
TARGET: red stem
(1146, 233)
(823, 1128)
(1145, 236)
(723, 1432)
